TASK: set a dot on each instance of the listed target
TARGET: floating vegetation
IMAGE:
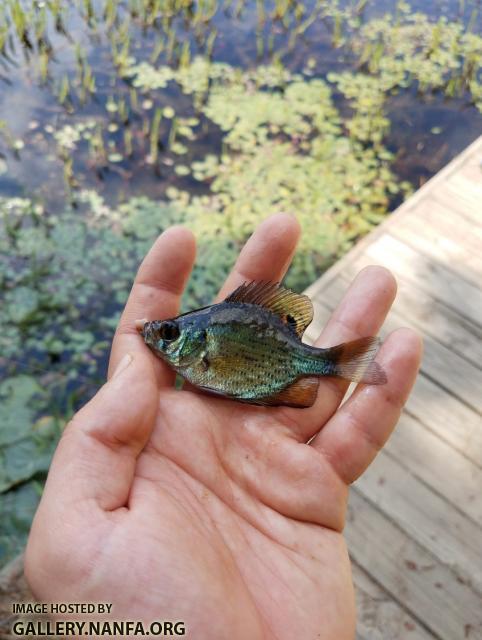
(398, 51)
(227, 112)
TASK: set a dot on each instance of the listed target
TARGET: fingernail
(123, 364)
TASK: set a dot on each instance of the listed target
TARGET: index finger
(155, 294)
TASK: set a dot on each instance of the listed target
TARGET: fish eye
(169, 331)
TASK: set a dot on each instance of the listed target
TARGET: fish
(249, 348)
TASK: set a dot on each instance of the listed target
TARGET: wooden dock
(415, 518)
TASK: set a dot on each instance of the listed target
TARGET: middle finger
(266, 255)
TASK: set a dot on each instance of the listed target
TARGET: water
(28, 107)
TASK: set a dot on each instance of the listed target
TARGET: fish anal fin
(294, 309)
(300, 394)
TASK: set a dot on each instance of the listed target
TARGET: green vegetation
(226, 146)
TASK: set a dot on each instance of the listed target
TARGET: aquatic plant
(398, 51)
(285, 151)
(52, 354)
(154, 136)
(26, 447)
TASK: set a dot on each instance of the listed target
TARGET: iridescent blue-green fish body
(249, 348)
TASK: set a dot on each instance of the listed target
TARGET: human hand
(175, 505)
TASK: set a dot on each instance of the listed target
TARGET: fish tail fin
(354, 361)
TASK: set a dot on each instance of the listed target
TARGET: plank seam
(427, 427)
(458, 274)
(418, 544)
(432, 489)
(445, 268)
(422, 370)
(449, 391)
(395, 599)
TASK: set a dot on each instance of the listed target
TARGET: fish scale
(255, 373)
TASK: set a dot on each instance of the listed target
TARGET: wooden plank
(436, 188)
(462, 196)
(471, 169)
(438, 280)
(425, 517)
(411, 574)
(431, 316)
(455, 374)
(444, 240)
(462, 204)
(446, 417)
(450, 222)
(379, 617)
(439, 466)
(463, 185)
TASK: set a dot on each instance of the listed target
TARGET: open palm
(174, 505)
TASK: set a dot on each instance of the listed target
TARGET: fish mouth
(150, 332)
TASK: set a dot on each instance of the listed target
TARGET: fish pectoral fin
(301, 393)
(294, 309)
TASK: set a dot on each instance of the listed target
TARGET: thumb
(96, 456)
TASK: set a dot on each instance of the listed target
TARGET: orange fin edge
(300, 394)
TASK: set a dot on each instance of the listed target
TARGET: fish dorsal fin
(294, 309)
(300, 394)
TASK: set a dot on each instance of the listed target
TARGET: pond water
(426, 130)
